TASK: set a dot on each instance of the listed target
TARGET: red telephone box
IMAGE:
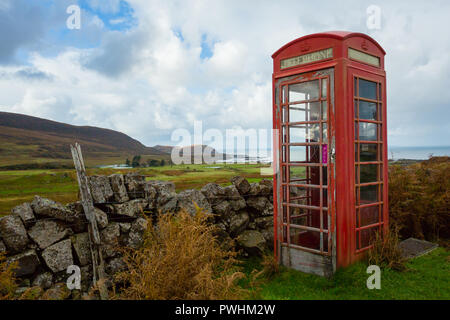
(330, 150)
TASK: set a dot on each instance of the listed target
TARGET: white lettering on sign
(307, 58)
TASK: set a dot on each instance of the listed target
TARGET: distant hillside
(25, 139)
(165, 149)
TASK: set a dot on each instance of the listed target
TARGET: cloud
(155, 77)
(21, 24)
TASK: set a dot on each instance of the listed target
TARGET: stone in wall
(13, 233)
(214, 193)
(236, 201)
(118, 187)
(80, 222)
(188, 199)
(43, 280)
(260, 204)
(27, 263)
(266, 187)
(132, 208)
(238, 223)
(25, 212)
(136, 235)
(47, 232)
(49, 208)
(241, 184)
(252, 242)
(58, 256)
(135, 185)
(81, 245)
(152, 196)
(110, 239)
(101, 190)
(167, 200)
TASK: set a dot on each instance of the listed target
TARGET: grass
(18, 186)
(427, 277)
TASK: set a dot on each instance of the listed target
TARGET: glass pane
(304, 91)
(283, 134)
(297, 113)
(356, 107)
(309, 154)
(367, 110)
(355, 87)
(368, 173)
(324, 88)
(307, 239)
(297, 174)
(304, 133)
(368, 194)
(284, 94)
(313, 111)
(306, 217)
(367, 131)
(368, 152)
(304, 112)
(325, 180)
(368, 216)
(324, 110)
(368, 236)
(367, 89)
(324, 133)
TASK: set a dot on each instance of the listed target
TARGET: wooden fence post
(98, 268)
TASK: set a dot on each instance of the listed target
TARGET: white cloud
(150, 80)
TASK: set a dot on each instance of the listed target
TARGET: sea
(394, 153)
(417, 153)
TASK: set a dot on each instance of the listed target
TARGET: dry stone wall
(46, 237)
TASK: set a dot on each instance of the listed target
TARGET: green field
(18, 186)
(426, 277)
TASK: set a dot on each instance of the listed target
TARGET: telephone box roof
(340, 35)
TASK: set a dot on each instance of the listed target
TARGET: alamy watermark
(74, 19)
(374, 281)
(235, 145)
(373, 21)
(74, 280)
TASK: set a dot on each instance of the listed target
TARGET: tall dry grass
(419, 199)
(180, 259)
(386, 251)
(8, 283)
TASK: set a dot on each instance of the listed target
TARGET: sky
(147, 68)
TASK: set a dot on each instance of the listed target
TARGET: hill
(30, 140)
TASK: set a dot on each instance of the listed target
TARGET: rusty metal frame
(285, 161)
(379, 162)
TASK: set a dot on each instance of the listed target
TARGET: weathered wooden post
(98, 268)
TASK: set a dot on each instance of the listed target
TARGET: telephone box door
(306, 210)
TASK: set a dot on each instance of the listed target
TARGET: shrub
(419, 198)
(180, 259)
(8, 283)
(386, 251)
(270, 266)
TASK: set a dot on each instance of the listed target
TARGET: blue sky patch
(206, 48)
(121, 20)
